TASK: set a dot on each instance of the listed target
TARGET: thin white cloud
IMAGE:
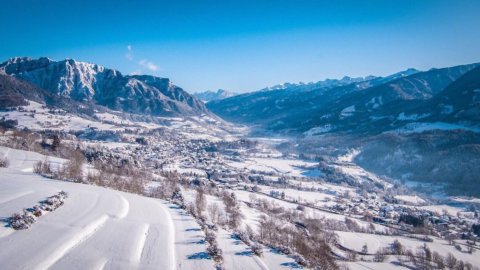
(148, 65)
(129, 54)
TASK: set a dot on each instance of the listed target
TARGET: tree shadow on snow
(396, 263)
(199, 256)
(275, 251)
(7, 221)
(292, 265)
(193, 230)
(245, 253)
(199, 242)
(237, 240)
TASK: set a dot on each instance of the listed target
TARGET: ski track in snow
(81, 236)
(99, 228)
(96, 228)
(142, 238)
(14, 196)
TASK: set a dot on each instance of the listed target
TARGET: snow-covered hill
(96, 228)
(100, 228)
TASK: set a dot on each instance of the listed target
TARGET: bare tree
(214, 212)
(4, 162)
(352, 255)
(437, 260)
(55, 142)
(257, 249)
(200, 202)
(365, 249)
(232, 208)
(450, 261)
(397, 247)
(379, 256)
(73, 170)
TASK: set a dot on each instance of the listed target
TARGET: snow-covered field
(99, 228)
(293, 167)
(423, 126)
(412, 199)
(37, 116)
(311, 197)
(239, 256)
(356, 241)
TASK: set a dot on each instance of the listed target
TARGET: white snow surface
(348, 111)
(99, 228)
(318, 130)
(424, 126)
(355, 241)
(293, 167)
(96, 228)
(412, 199)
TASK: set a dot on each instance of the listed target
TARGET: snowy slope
(96, 228)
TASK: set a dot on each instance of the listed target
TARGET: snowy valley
(92, 185)
(190, 194)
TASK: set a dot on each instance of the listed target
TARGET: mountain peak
(82, 81)
(22, 64)
(209, 95)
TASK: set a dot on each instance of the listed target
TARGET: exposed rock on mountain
(14, 92)
(92, 83)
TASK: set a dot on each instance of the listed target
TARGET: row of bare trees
(420, 258)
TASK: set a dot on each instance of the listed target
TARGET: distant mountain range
(363, 106)
(208, 96)
(369, 105)
(417, 126)
(92, 84)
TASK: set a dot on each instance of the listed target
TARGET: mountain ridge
(346, 108)
(86, 82)
(209, 95)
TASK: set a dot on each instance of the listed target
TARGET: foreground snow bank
(95, 228)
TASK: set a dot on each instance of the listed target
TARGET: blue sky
(245, 45)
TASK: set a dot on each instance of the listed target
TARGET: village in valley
(242, 187)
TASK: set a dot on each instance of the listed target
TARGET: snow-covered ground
(36, 116)
(374, 242)
(424, 126)
(99, 228)
(411, 199)
(96, 228)
(239, 256)
(346, 165)
(293, 167)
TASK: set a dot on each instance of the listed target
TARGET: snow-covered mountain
(208, 96)
(327, 83)
(199, 193)
(80, 81)
(360, 105)
(346, 80)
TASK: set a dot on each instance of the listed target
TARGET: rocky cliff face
(87, 82)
